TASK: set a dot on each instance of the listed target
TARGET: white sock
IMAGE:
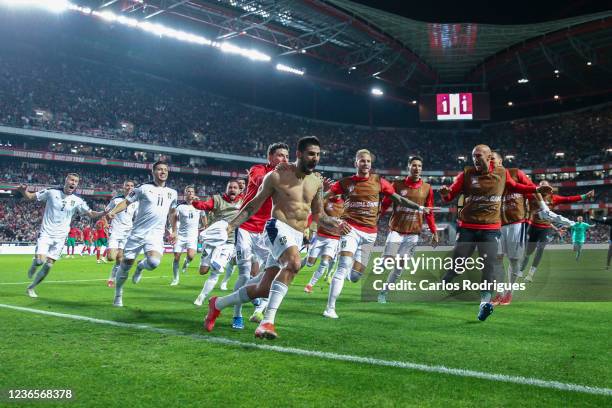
(35, 264)
(186, 263)
(393, 277)
(113, 274)
(175, 269)
(235, 298)
(319, 272)
(42, 274)
(262, 306)
(229, 269)
(122, 275)
(244, 274)
(532, 270)
(210, 283)
(278, 290)
(344, 267)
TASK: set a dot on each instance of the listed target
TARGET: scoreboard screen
(454, 106)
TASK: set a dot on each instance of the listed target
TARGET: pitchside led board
(454, 106)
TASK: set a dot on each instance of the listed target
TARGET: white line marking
(536, 382)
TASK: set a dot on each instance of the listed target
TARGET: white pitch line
(536, 382)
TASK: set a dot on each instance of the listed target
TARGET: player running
(405, 224)
(540, 228)
(325, 244)
(251, 246)
(188, 219)
(362, 196)
(229, 269)
(295, 193)
(87, 239)
(60, 206)
(120, 228)
(157, 203)
(73, 235)
(483, 186)
(579, 230)
(216, 252)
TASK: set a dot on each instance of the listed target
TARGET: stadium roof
(372, 42)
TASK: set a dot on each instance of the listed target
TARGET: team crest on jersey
(475, 182)
(351, 188)
(169, 195)
(72, 203)
(283, 240)
(404, 193)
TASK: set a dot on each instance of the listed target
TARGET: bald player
(483, 186)
(295, 194)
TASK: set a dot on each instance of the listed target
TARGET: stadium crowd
(52, 94)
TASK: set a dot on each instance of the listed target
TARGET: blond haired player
(362, 196)
(60, 206)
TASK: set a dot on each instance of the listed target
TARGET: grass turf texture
(112, 366)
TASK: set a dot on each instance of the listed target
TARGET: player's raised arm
(23, 189)
(266, 189)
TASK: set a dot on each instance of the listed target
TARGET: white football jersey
(154, 204)
(123, 221)
(59, 210)
(188, 220)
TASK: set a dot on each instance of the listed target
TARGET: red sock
(105, 253)
(98, 254)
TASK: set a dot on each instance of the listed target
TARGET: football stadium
(305, 203)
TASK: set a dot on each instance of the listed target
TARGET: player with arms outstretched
(362, 197)
(157, 203)
(405, 224)
(295, 193)
(483, 186)
(538, 234)
(60, 206)
(216, 252)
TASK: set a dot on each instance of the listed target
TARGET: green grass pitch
(105, 366)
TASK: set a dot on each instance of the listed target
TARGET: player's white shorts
(216, 257)
(154, 241)
(512, 240)
(323, 246)
(355, 240)
(400, 244)
(183, 244)
(251, 246)
(118, 239)
(281, 237)
(50, 247)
